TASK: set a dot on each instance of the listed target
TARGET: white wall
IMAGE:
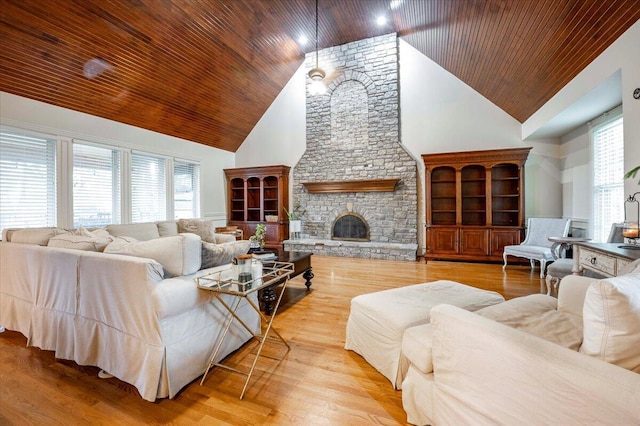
(19, 112)
(280, 135)
(621, 55)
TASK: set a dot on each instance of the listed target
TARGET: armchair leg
(504, 257)
(543, 264)
(548, 282)
(532, 263)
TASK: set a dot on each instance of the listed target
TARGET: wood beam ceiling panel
(207, 71)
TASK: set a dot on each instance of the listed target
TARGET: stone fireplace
(355, 173)
(350, 227)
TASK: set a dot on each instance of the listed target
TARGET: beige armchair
(536, 246)
(530, 360)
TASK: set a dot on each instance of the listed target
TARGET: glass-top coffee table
(224, 282)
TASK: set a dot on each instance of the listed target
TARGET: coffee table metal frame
(221, 282)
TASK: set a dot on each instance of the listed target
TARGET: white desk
(607, 259)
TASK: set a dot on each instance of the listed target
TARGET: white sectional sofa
(530, 360)
(141, 319)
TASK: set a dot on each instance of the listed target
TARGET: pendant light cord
(316, 33)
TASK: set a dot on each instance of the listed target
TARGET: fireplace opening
(350, 227)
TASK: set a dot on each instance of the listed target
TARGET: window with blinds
(608, 182)
(186, 189)
(27, 180)
(148, 188)
(96, 185)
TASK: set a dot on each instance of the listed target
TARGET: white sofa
(142, 320)
(530, 360)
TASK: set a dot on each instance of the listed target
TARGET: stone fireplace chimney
(353, 151)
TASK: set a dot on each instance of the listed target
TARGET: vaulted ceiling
(206, 71)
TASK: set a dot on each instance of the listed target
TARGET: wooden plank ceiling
(206, 71)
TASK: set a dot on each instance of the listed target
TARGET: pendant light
(317, 73)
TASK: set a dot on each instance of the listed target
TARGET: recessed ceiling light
(303, 40)
(381, 20)
(394, 4)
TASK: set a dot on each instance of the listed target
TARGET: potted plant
(632, 173)
(295, 224)
(257, 239)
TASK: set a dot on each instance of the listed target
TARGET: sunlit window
(608, 181)
(96, 185)
(27, 180)
(186, 189)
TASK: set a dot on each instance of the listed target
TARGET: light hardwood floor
(316, 383)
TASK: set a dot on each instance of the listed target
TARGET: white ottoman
(378, 320)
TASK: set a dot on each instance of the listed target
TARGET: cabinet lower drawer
(598, 262)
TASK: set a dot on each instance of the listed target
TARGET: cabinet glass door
(473, 185)
(443, 196)
(237, 199)
(253, 200)
(270, 188)
(505, 194)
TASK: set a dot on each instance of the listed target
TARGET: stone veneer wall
(353, 134)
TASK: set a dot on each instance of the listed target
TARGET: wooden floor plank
(316, 383)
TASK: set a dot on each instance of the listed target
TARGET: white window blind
(96, 185)
(608, 182)
(148, 188)
(27, 180)
(186, 189)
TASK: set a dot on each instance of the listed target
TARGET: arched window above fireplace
(350, 226)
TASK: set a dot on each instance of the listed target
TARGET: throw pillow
(39, 236)
(221, 254)
(204, 228)
(179, 254)
(611, 318)
(79, 242)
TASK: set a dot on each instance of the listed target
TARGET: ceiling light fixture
(317, 73)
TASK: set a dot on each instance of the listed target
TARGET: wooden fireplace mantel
(365, 185)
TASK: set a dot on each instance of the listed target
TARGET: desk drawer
(598, 262)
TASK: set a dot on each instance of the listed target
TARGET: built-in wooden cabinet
(259, 195)
(474, 203)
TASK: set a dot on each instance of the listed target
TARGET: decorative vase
(295, 226)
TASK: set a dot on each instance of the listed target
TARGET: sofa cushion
(139, 231)
(79, 242)
(204, 228)
(167, 228)
(39, 236)
(220, 254)
(611, 319)
(537, 314)
(417, 345)
(178, 254)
